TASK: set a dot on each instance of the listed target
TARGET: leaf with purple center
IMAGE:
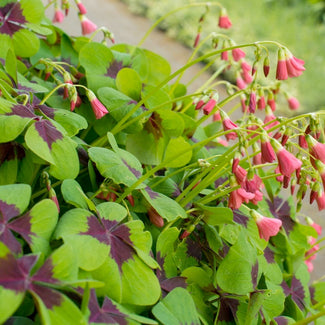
(16, 18)
(177, 308)
(111, 312)
(166, 207)
(49, 143)
(104, 246)
(96, 59)
(17, 276)
(13, 119)
(234, 279)
(35, 226)
(117, 164)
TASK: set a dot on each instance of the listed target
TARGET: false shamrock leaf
(35, 226)
(97, 60)
(230, 277)
(104, 246)
(18, 18)
(17, 276)
(177, 308)
(117, 164)
(112, 313)
(165, 206)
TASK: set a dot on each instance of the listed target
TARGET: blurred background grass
(297, 24)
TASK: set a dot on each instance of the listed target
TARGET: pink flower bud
(98, 108)
(293, 103)
(87, 26)
(238, 54)
(81, 7)
(281, 70)
(267, 227)
(224, 21)
(58, 16)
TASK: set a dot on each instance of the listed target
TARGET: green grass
(291, 22)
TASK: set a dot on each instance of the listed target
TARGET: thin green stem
(309, 319)
(196, 4)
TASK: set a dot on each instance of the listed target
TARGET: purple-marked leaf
(228, 309)
(240, 218)
(129, 83)
(230, 277)
(166, 207)
(24, 111)
(12, 18)
(114, 68)
(282, 210)
(283, 320)
(56, 308)
(254, 274)
(296, 290)
(269, 267)
(51, 145)
(177, 308)
(112, 313)
(121, 166)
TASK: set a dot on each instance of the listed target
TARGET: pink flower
(240, 83)
(267, 152)
(81, 7)
(237, 197)
(281, 70)
(238, 54)
(267, 227)
(224, 21)
(58, 16)
(209, 106)
(320, 199)
(271, 101)
(302, 142)
(224, 55)
(310, 266)
(228, 124)
(244, 107)
(87, 25)
(316, 148)
(293, 103)
(252, 102)
(295, 66)
(266, 66)
(246, 66)
(98, 108)
(216, 117)
(317, 227)
(261, 103)
(288, 163)
(247, 76)
(270, 117)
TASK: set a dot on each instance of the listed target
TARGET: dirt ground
(129, 28)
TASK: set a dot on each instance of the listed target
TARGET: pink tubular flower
(267, 227)
(81, 7)
(216, 117)
(209, 106)
(238, 196)
(320, 199)
(267, 152)
(247, 76)
(87, 25)
(295, 66)
(270, 117)
(281, 70)
(261, 103)
(316, 149)
(58, 16)
(317, 227)
(288, 163)
(302, 142)
(224, 55)
(228, 124)
(293, 103)
(244, 107)
(98, 108)
(224, 21)
(238, 54)
(266, 66)
(240, 83)
(271, 101)
(252, 102)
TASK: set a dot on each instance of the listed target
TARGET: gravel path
(129, 28)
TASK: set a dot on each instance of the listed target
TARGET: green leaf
(17, 195)
(158, 68)
(53, 152)
(216, 215)
(11, 64)
(172, 123)
(178, 153)
(8, 171)
(33, 10)
(232, 278)
(129, 83)
(167, 208)
(73, 193)
(9, 302)
(25, 43)
(157, 97)
(44, 217)
(121, 166)
(177, 308)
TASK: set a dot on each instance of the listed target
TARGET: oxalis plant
(126, 200)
